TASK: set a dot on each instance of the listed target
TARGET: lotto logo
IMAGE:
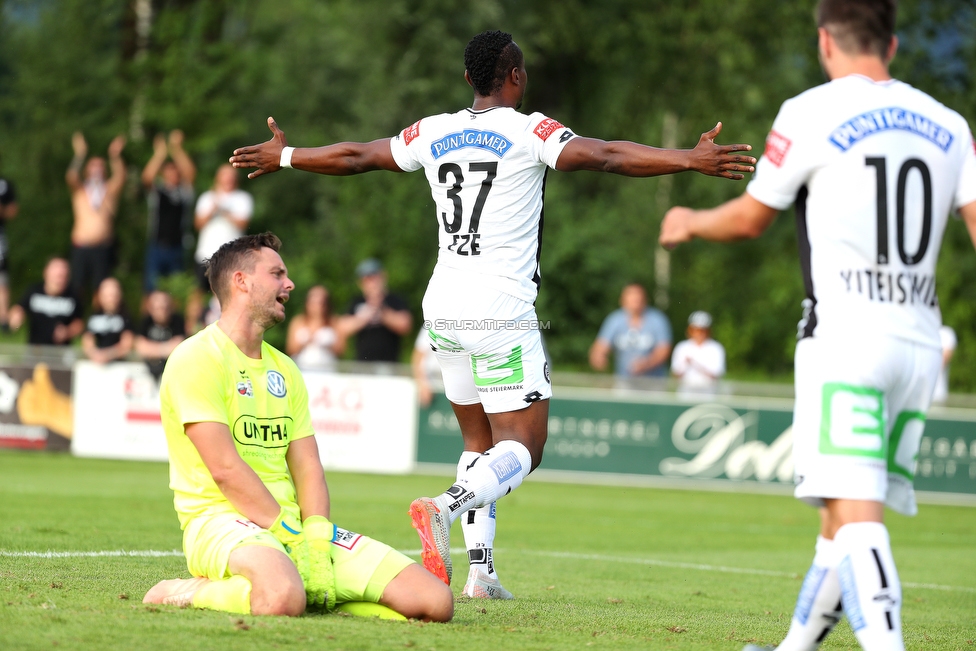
(776, 147)
(411, 132)
(546, 128)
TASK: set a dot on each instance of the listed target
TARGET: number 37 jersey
(486, 171)
(875, 169)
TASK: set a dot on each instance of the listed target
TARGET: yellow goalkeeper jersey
(263, 402)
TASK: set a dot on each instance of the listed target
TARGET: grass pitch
(592, 567)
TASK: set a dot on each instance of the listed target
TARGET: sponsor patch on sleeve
(411, 132)
(546, 128)
(776, 147)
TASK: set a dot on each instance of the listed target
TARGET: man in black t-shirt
(377, 318)
(8, 210)
(171, 201)
(160, 332)
(51, 308)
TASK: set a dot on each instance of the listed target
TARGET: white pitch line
(152, 553)
(715, 568)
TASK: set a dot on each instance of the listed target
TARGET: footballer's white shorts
(488, 344)
(859, 417)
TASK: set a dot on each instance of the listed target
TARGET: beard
(267, 316)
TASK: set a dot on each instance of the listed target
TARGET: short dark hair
(859, 26)
(488, 58)
(236, 255)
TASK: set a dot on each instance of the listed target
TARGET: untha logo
(276, 384)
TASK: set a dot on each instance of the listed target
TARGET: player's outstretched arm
(340, 159)
(632, 159)
(741, 218)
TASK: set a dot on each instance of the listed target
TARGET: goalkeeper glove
(320, 587)
(289, 533)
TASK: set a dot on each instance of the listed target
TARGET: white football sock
(478, 526)
(869, 585)
(818, 608)
(494, 474)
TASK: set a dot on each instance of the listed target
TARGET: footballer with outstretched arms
(874, 167)
(248, 484)
(486, 166)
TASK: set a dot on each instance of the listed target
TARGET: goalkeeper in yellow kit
(249, 488)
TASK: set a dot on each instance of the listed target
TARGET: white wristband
(286, 157)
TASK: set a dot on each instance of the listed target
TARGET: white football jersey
(875, 169)
(486, 171)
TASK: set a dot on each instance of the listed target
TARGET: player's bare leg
(418, 594)
(276, 586)
(175, 592)
(264, 581)
(518, 440)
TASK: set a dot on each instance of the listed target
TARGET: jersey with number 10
(486, 171)
(875, 169)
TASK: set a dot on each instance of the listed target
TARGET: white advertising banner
(117, 412)
(363, 423)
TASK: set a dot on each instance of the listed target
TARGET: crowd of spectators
(637, 337)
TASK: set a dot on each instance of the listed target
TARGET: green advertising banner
(737, 439)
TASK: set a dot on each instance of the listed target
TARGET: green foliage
(359, 70)
(649, 569)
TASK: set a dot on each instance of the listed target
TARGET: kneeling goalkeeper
(249, 487)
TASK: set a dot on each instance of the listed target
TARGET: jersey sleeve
(243, 205)
(25, 298)
(78, 312)
(660, 328)
(407, 147)
(609, 328)
(966, 189)
(679, 359)
(196, 388)
(717, 359)
(784, 166)
(298, 396)
(205, 203)
(548, 138)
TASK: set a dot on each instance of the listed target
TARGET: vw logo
(276, 384)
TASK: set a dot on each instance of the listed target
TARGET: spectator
(638, 335)
(222, 215)
(426, 369)
(108, 336)
(160, 332)
(170, 200)
(699, 361)
(378, 319)
(8, 210)
(94, 201)
(51, 308)
(313, 341)
(948, 338)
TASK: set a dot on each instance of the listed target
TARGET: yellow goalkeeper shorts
(209, 540)
(363, 566)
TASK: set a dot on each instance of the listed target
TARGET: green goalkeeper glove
(320, 587)
(289, 533)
